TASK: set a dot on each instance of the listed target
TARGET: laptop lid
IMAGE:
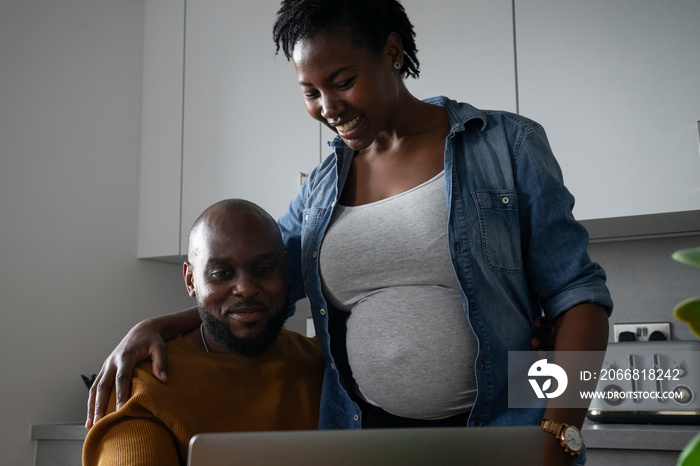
(386, 447)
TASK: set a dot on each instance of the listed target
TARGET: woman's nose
(330, 107)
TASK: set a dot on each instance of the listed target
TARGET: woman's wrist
(171, 325)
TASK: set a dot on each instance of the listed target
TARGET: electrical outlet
(642, 330)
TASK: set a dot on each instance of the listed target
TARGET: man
(239, 371)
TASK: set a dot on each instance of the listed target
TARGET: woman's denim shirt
(514, 243)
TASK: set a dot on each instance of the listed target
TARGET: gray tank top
(409, 344)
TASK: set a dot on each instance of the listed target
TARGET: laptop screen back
(474, 446)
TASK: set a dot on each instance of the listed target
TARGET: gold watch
(569, 436)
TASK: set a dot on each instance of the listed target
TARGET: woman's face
(349, 88)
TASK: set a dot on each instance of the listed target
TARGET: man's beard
(220, 332)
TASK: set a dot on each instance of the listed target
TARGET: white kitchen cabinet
(246, 132)
(161, 129)
(223, 117)
(615, 84)
(466, 51)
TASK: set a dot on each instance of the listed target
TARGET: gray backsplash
(645, 282)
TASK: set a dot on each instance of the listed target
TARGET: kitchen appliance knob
(683, 395)
(613, 397)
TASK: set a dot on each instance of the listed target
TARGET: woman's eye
(347, 83)
(310, 94)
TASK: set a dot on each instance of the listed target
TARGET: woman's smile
(345, 128)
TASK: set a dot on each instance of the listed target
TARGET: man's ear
(188, 274)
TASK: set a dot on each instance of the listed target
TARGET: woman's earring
(397, 65)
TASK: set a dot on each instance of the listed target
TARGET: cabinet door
(466, 51)
(161, 129)
(615, 84)
(246, 132)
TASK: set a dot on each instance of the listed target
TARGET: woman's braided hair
(369, 21)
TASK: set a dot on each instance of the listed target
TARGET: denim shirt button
(315, 254)
(357, 417)
(505, 200)
(322, 312)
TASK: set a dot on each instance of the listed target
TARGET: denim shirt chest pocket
(500, 229)
(312, 219)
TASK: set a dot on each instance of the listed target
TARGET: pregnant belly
(412, 352)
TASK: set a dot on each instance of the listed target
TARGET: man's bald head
(225, 216)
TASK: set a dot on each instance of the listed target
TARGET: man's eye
(221, 274)
(264, 269)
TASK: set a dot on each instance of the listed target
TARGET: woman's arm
(582, 328)
(146, 339)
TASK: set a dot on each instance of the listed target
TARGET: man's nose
(245, 285)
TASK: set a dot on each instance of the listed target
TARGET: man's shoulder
(181, 356)
(298, 343)
(291, 336)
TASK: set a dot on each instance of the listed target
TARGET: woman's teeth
(349, 125)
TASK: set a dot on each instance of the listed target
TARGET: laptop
(445, 446)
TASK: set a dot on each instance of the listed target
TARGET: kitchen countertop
(58, 432)
(637, 436)
(596, 435)
(58, 444)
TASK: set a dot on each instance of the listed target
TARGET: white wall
(70, 105)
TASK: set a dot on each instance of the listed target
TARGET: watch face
(572, 437)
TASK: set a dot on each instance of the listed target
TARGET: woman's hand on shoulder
(141, 343)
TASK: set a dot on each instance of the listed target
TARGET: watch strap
(557, 428)
(553, 427)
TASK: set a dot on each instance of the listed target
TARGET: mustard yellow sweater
(206, 392)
